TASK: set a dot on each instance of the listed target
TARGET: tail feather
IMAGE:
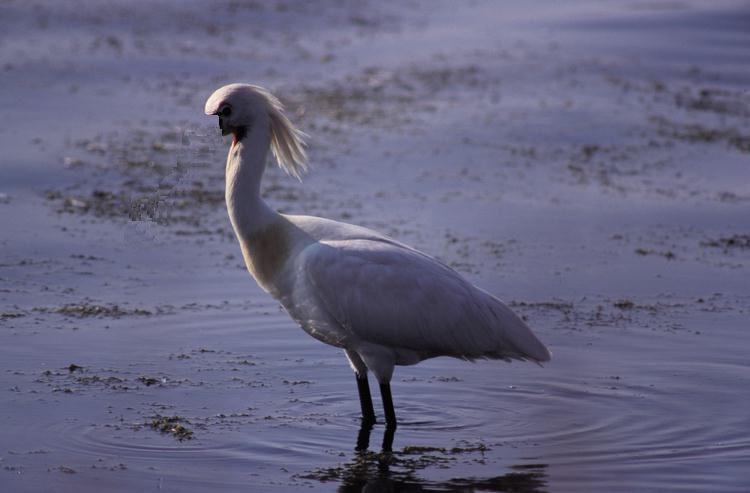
(517, 339)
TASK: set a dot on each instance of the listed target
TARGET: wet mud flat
(588, 170)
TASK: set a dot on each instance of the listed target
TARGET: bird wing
(386, 293)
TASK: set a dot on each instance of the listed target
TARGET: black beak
(224, 130)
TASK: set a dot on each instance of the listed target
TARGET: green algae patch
(86, 309)
(624, 304)
(172, 425)
(403, 465)
(739, 241)
(149, 381)
(94, 310)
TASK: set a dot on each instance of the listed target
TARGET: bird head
(244, 108)
(239, 107)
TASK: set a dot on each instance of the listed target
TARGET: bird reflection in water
(363, 437)
(390, 471)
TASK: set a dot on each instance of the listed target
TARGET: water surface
(587, 164)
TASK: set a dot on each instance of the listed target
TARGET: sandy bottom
(587, 164)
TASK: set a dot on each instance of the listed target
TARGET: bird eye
(225, 111)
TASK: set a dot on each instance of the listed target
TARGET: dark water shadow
(389, 471)
(382, 481)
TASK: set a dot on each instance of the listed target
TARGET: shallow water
(586, 164)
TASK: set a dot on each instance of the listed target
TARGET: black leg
(390, 414)
(365, 400)
(390, 432)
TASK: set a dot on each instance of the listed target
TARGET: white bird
(382, 302)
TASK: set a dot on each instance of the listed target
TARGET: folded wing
(386, 293)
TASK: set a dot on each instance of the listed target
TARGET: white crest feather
(287, 142)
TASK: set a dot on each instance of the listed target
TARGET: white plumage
(381, 301)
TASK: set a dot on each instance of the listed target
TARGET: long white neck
(246, 163)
